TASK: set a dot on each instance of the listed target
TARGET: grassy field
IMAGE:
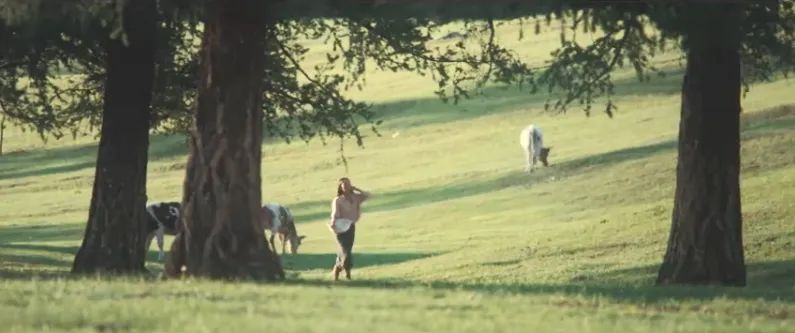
(457, 238)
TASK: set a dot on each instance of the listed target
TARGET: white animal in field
(531, 138)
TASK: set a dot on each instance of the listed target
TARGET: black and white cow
(162, 219)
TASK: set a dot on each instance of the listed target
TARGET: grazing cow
(162, 219)
(279, 220)
(532, 141)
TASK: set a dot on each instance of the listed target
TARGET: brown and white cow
(279, 220)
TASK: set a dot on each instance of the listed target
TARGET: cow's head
(295, 242)
(292, 232)
(544, 154)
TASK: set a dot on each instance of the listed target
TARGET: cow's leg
(540, 146)
(149, 241)
(529, 150)
(538, 143)
(534, 150)
(528, 160)
(272, 241)
(160, 234)
(283, 240)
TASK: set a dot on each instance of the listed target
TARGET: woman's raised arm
(364, 195)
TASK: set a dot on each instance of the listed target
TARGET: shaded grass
(70, 158)
(324, 261)
(40, 233)
(623, 293)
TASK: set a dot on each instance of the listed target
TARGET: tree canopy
(303, 105)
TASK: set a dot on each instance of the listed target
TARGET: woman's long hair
(340, 191)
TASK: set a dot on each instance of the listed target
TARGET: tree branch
(331, 92)
(610, 66)
(298, 67)
(389, 41)
(11, 64)
(491, 50)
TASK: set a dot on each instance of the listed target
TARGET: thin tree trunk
(222, 237)
(705, 245)
(114, 237)
(2, 133)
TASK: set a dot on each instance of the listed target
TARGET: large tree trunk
(705, 245)
(222, 236)
(114, 237)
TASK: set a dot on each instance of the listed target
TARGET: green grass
(457, 238)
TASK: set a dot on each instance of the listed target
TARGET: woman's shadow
(313, 261)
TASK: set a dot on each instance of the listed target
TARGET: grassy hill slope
(457, 238)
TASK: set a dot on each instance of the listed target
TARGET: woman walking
(345, 212)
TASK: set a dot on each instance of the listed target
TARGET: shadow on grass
(774, 275)
(26, 273)
(312, 261)
(151, 255)
(25, 266)
(35, 260)
(308, 211)
(401, 199)
(496, 100)
(67, 250)
(41, 233)
(501, 99)
(755, 125)
(768, 281)
(17, 262)
(24, 238)
(77, 157)
(425, 111)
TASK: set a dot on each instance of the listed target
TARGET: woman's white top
(342, 225)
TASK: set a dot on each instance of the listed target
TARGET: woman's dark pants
(344, 256)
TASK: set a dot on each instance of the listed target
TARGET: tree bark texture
(222, 237)
(115, 233)
(705, 245)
